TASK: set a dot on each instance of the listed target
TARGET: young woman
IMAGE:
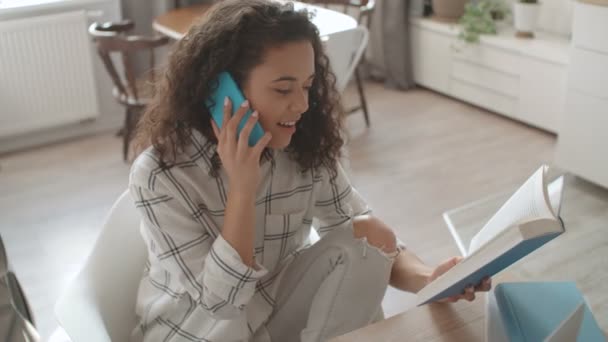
(227, 225)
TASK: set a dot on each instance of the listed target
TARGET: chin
(278, 144)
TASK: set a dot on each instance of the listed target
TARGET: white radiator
(46, 73)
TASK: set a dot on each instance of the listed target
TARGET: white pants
(331, 288)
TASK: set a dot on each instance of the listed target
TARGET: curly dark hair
(233, 37)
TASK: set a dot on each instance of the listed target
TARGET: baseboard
(54, 135)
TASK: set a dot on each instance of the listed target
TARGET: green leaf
(478, 19)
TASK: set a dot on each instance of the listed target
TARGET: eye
(283, 91)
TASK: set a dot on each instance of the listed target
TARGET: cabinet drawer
(483, 97)
(590, 27)
(490, 57)
(484, 77)
(589, 72)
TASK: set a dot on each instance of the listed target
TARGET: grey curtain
(388, 53)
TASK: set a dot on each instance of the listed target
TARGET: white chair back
(344, 50)
(99, 305)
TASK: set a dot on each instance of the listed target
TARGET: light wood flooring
(424, 154)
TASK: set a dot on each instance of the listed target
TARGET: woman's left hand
(469, 293)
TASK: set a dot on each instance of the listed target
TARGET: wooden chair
(365, 9)
(129, 91)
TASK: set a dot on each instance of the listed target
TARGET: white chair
(99, 305)
(345, 50)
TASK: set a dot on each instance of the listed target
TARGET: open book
(528, 220)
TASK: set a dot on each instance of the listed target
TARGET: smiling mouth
(287, 123)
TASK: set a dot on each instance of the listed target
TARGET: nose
(299, 102)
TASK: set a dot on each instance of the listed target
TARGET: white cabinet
(542, 94)
(590, 26)
(431, 56)
(589, 72)
(521, 79)
(582, 146)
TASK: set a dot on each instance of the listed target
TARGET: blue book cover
(531, 311)
(492, 267)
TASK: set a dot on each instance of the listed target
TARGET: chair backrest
(363, 8)
(99, 304)
(113, 38)
(344, 50)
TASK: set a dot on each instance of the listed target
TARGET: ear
(246, 89)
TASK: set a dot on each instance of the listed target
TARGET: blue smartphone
(228, 87)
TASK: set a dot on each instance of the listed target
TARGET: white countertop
(545, 46)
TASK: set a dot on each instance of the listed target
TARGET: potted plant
(448, 10)
(480, 17)
(525, 14)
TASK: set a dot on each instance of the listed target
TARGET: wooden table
(462, 321)
(176, 23)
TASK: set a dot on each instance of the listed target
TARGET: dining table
(177, 22)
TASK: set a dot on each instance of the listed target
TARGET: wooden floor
(424, 154)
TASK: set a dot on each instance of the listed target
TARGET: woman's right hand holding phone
(241, 162)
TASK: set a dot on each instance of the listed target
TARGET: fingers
(261, 145)
(456, 259)
(246, 131)
(449, 299)
(446, 265)
(469, 293)
(484, 285)
(234, 121)
(227, 111)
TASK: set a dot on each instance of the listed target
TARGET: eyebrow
(290, 78)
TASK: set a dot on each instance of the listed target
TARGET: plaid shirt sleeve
(208, 268)
(336, 202)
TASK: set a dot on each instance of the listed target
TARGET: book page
(528, 202)
(554, 191)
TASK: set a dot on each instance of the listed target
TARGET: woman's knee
(376, 232)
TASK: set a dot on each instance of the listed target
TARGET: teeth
(287, 124)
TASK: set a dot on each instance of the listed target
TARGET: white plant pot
(526, 17)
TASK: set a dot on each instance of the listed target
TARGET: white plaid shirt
(195, 286)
